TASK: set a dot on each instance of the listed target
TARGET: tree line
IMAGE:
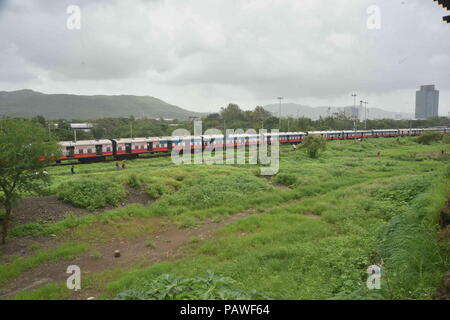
(229, 117)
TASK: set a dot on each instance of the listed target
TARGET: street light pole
(279, 114)
(354, 95)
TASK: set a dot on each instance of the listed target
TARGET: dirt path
(167, 245)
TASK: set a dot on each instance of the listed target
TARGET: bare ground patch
(51, 209)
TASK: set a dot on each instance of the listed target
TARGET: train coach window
(89, 150)
(108, 149)
(80, 151)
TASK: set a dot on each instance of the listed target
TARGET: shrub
(170, 287)
(402, 192)
(446, 138)
(150, 243)
(429, 137)
(134, 181)
(91, 194)
(157, 190)
(314, 145)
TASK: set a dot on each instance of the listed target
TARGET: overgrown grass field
(315, 229)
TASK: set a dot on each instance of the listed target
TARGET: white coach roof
(84, 143)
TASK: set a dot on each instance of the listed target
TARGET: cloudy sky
(203, 54)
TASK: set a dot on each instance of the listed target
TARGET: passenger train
(128, 148)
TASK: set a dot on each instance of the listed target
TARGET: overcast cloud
(203, 54)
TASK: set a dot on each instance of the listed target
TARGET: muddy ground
(51, 209)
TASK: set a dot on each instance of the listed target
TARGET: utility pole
(354, 95)
(279, 114)
(131, 130)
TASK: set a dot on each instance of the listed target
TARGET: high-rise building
(427, 102)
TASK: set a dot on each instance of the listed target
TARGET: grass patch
(378, 204)
(91, 194)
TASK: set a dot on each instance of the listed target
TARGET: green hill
(29, 103)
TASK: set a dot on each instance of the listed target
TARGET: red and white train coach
(87, 149)
(329, 135)
(129, 147)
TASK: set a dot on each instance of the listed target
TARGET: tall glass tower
(427, 102)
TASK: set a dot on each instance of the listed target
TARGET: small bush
(429, 137)
(134, 181)
(402, 192)
(91, 194)
(157, 190)
(314, 145)
(150, 243)
(170, 287)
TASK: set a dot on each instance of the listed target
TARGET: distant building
(86, 127)
(427, 102)
(81, 125)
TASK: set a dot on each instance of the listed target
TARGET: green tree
(314, 145)
(232, 112)
(41, 120)
(25, 149)
(429, 137)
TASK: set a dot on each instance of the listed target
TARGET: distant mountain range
(296, 110)
(29, 103)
